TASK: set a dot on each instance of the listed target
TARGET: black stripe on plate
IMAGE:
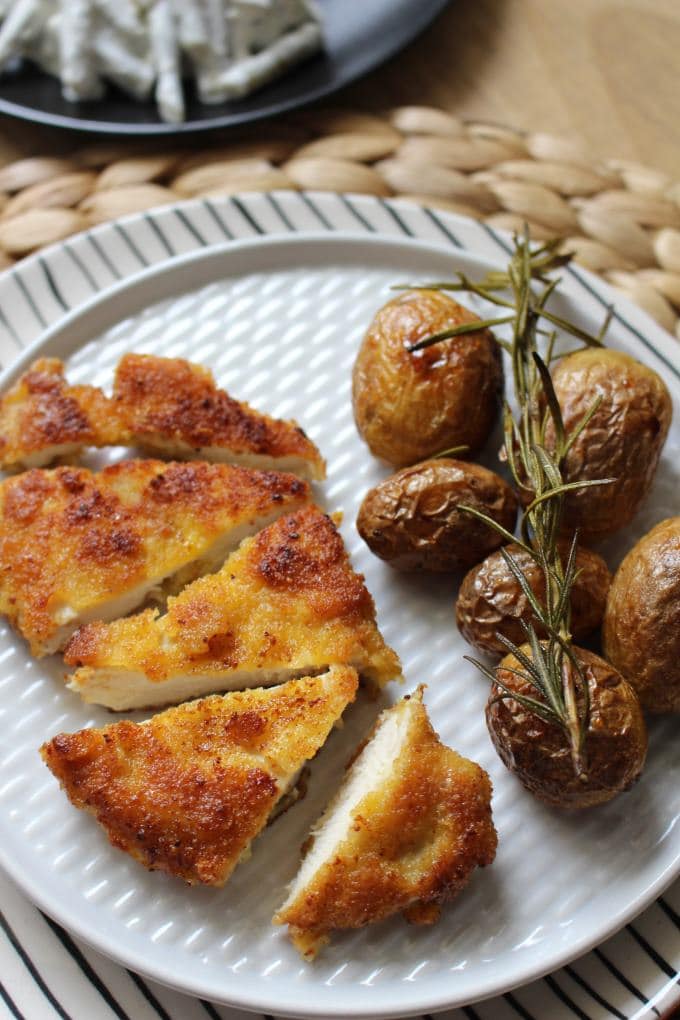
(517, 1006)
(490, 232)
(89, 972)
(349, 204)
(282, 215)
(160, 234)
(669, 912)
(446, 231)
(210, 1010)
(149, 996)
(624, 322)
(30, 967)
(130, 243)
(10, 1003)
(247, 215)
(52, 284)
(210, 208)
(622, 979)
(77, 261)
(112, 268)
(195, 233)
(576, 275)
(403, 226)
(321, 217)
(10, 329)
(652, 953)
(29, 298)
(592, 993)
(563, 997)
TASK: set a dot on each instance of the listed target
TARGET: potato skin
(641, 635)
(623, 439)
(538, 752)
(490, 599)
(412, 520)
(409, 406)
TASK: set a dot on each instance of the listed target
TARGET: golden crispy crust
(641, 633)
(73, 539)
(413, 843)
(169, 400)
(186, 792)
(166, 405)
(287, 598)
(42, 413)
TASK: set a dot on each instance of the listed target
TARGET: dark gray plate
(359, 35)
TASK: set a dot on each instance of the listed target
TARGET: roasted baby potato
(409, 406)
(641, 635)
(413, 521)
(538, 752)
(623, 439)
(490, 599)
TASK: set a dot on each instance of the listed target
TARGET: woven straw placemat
(621, 219)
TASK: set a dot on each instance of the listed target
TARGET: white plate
(279, 320)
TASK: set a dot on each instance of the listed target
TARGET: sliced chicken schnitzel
(165, 405)
(287, 603)
(174, 408)
(187, 791)
(77, 546)
(42, 418)
(408, 826)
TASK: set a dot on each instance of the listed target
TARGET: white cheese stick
(245, 76)
(216, 16)
(24, 18)
(166, 60)
(118, 62)
(79, 77)
(192, 29)
(123, 15)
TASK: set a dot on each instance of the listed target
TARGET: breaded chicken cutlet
(287, 603)
(167, 406)
(410, 823)
(187, 791)
(77, 546)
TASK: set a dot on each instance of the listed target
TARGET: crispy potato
(641, 635)
(413, 521)
(538, 752)
(490, 600)
(623, 439)
(409, 406)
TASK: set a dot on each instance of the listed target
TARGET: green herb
(536, 446)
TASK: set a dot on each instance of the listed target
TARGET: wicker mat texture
(621, 219)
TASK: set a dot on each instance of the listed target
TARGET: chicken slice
(287, 603)
(187, 791)
(164, 405)
(175, 409)
(42, 418)
(77, 546)
(409, 824)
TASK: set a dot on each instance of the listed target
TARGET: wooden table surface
(607, 71)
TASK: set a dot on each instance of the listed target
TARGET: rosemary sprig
(536, 445)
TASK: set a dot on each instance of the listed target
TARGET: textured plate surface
(358, 37)
(279, 321)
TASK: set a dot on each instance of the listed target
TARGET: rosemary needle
(536, 445)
